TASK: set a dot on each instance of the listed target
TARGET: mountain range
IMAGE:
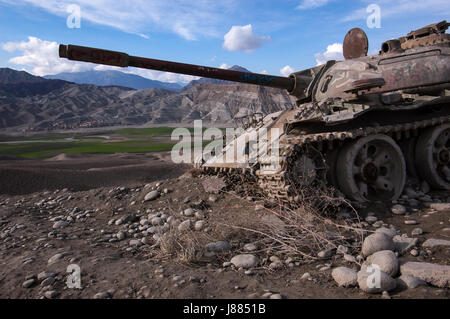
(30, 103)
(117, 78)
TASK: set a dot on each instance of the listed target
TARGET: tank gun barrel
(114, 58)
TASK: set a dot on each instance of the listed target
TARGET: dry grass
(309, 227)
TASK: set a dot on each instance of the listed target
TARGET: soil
(36, 193)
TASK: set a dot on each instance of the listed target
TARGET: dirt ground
(91, 193)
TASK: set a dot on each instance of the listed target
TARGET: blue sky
(271, 36)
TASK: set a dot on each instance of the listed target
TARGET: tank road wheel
(433, 156)
(308, 168)
(371, 169)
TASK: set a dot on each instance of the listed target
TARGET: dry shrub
(308, 227)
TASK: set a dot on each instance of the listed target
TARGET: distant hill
(30, 103)
(21, 84)
(214, 81)
(115, 78)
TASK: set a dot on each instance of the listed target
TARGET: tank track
(278, 187)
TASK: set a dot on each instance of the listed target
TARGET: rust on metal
(356, 44)
(100, 56)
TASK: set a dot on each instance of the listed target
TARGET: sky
(276, 37)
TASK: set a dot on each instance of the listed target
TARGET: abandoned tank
(362, 125)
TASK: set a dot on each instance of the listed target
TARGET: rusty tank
(362, 125)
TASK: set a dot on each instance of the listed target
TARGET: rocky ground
(175, 238)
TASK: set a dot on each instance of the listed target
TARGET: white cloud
(188, 19)
(264, 72)
(311, 4)
(286, 71)
(241, 38)
(224, 66)
(334, 52)
(41, 58)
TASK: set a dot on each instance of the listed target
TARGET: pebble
(185, 226)
(387, 231)
(189, 212)
(377, 242)
(345, 277)
(199, 225)
(411, 222)
(417, 232)
(60, 224)
(325, 254)
(51, 294)
(102, 295)
(28, 283)
(398, 209)
(386, 282)
(386, 260)
(414, 252)
(245, 261)
(218, 246)
(151, 196)
(55, 258)
(306, 276)
(276, 296)
(250, 247)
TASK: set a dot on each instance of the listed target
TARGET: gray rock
(432, 242)
(440, 206)
(403, 244)
(102, 295)
(218, 246)
(151, 196)
(387, 231)
(306, 276)
(276, 296)
(157, 221)
(199, 225)
(189, 212)
(44, 275)
(434, 274)
(51, 294)
(386, 260)
(48, 281)
(245, 261)
(185, 226)
(135, 243)
(55, 258)
(121, 235)
(250, 247)
(369, 283)
(376, 242)
(325, 254)
(29, 283)
(371, 219)
(417, 232)
(345, 277)
(60, 224)
(410, 282)
(411, 222)
(350, 258)
(398, 209)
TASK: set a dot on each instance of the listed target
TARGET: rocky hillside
(33, 103)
